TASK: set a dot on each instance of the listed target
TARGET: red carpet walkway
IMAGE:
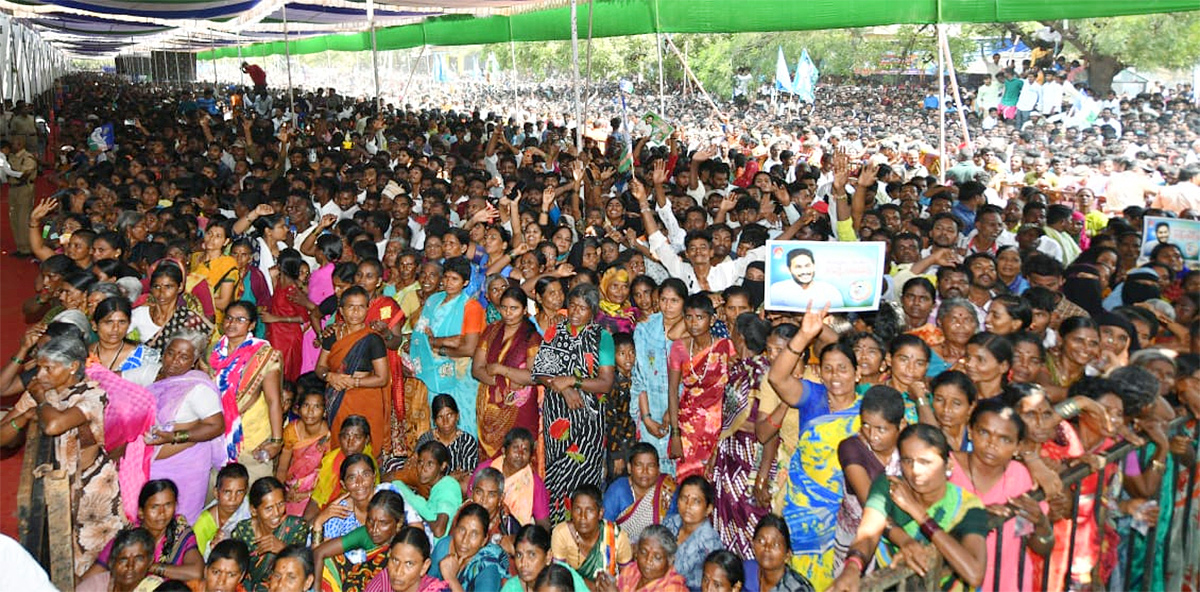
(17, 277)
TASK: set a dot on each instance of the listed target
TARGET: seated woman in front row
(349, 561)
(642, 498)
(437, 495)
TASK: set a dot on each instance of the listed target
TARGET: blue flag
(783, 80)
(805, 83)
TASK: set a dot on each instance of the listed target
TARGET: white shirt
(720, 276)
(201, 402)
(19, 570)
(1029, 97)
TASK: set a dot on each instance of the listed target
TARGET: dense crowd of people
(418, 349)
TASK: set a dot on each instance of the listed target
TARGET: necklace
(117, 355)
(971, 476)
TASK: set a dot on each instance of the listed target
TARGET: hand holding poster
(846, 276)
(660, 130)
(1184, 234)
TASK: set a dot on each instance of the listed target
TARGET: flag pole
(941, 111)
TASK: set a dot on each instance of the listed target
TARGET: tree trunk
(1101, 71)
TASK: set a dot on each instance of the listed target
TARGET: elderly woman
(487, 490)
(958, 323)
(131, 551)
(190, 422)
(70, 410)
(653, 569)
(575, 366)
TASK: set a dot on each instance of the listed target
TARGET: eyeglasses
(233, 319)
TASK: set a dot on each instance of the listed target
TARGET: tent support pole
(239, 46)
(944, 43)
(374, 55)
(412, 72)
(575, 73)
(588, 89)
(512, 54)
(662, 102)
(942, 160)
(288, 51)
(699, 86)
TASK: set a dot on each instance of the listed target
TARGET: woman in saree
(864, 457)
(445, 339)
(506, 396)
(487, 490)
(595, 547)
(698, 368)
(908, 357)
(575, 366)
(642, 498)
(531, 557)
(917, 300)
(358, 475)
(305, 444)
(190, 423)
(693, 529)
(466, 560)
(135, 362)
(735, 465)
(770, 570)
(354, 364)
(1079, 347)
(616, 313)
(246, 370)
(167, 310)
(268, 531)
(174, 554)
(829, 413)
(992, 473)
(921, 507)
(219, 270)
(653, 568)
(648, 393)
(525, 494)
(131, 551)
(70, 409)
(463, 447)
(551, 294)
(283, 317)
(328, 253)
(436, 495)
(253, 286)
(386, 319)
(351, 560)
(958, 322)
(353, 438)
(407, 566)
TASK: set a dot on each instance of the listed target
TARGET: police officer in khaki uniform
(21, 193)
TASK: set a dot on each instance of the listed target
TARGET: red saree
(287, 338)
(703, 378)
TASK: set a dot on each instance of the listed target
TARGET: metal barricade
(902, 578)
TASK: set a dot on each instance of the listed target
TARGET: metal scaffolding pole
(662, 101)
(512, 52)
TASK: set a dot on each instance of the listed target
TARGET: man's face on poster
(803, 269)
(1163, 233)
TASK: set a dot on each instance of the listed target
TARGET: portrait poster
(846, 276)
(1184, 234)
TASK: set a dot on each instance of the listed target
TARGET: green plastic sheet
(615, 18)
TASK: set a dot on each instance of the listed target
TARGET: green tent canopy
(614, 18)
